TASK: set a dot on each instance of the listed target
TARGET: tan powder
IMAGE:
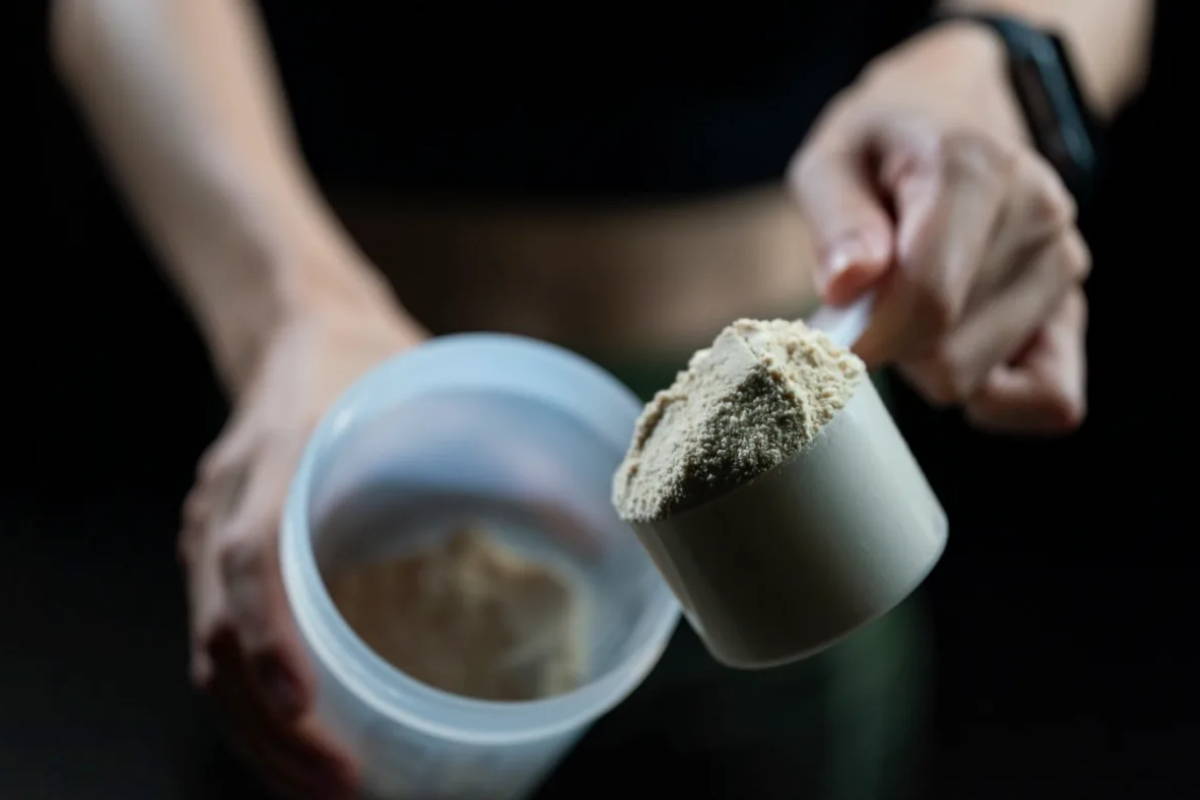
(756, 397)
(469, 616)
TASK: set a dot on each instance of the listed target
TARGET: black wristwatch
(1058, 117)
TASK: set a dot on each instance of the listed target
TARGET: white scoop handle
(844, 324)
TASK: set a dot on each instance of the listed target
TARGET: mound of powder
(468, 615)
(756, 397)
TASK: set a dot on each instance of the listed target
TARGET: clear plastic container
(523, 436)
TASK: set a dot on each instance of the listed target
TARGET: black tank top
(593, 101)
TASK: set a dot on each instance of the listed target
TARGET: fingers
(986, 251)
(993, 332)
(949, 192)
(848, 221)
(293, 757)
(1044, 391)
(1039, 210)
(248, 562)
(219, 486)
(209, 622)
(296, 770)
(246, 652)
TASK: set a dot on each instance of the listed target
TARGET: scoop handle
(844, 324)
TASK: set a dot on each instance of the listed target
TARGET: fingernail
(847, 251)
(851, 250)
(280, 688)
(854, 251)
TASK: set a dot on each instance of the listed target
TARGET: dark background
(1064, 608)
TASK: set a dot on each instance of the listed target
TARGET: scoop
(796, 559)
(844, 324)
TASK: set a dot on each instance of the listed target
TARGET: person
(627, 199)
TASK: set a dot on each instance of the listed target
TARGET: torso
(632, 167)
(652, 281)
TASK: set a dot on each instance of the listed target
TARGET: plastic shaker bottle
(523, 436)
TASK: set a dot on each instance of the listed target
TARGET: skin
(935, 199)
(919, 181)
(191, 122)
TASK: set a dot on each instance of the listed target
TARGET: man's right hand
(246, 652)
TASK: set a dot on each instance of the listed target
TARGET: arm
(182, 100)
(187, 111)
(1109, 40)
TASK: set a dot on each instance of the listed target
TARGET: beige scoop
(790, 562)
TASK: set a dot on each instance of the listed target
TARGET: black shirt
(593, 101)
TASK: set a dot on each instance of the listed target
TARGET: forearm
(181, 98)
(1109, 39)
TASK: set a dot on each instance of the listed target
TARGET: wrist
(324, 289)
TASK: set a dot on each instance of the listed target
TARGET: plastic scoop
(844, 324)
(790, 562)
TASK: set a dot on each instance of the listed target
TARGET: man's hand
(246, 651)
(920, 180)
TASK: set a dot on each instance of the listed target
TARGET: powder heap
(758, 396)
(468, 615)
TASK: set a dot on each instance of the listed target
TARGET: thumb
(850, 227)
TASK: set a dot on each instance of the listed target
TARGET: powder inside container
(468, 615)
(759, 395)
